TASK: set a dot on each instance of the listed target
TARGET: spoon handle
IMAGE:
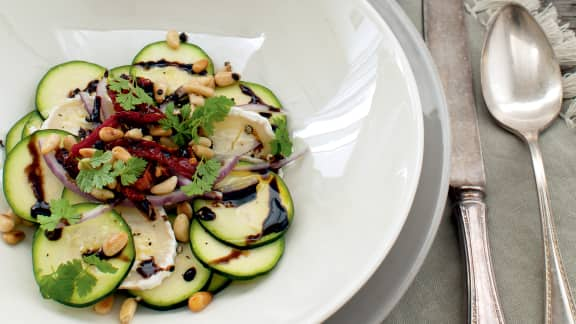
(559, 300)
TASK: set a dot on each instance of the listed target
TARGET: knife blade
(447, 38)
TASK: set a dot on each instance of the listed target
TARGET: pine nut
(87, 152)
(7, 223)
(102, 194)
(68, 142)
(203, 151)
(109, 134)
(173, 39)
(134, 133)
(160, 91)
(115, 243)
(227, 67)
(104, 306)
(182, 228)
(50, 143)
(223, 78)
(197, 88)
(13, 237)
(207, 80)
(120, 153)
(165, 187)
(196, 100)
(160, 131)
(204, 141)
(112, 185)
(184, 208)
(198, 301)
(168, 142)
(128, 310)
(10, 214)
(200, 65)
(148, 138)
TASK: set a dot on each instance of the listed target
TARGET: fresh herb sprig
(281, 144)
(60, 212)
(129, 94)
(102, 265)
(102, 171)
(187, 124)
(207, 172)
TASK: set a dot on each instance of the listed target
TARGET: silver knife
(445, 33)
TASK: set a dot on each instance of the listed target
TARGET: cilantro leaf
(129, 95)
(215, 109)
(130, 171)
(143, 97)
(101, 265)
(126, 100)
(171, 120)
(84, 282)
(60, 284)
(90, 179)
(100, 158)
(207, 172)
(60, 209)
(119, 84)
(281, 144)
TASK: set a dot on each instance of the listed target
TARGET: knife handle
(470, 211)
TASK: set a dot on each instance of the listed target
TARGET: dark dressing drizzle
(205, 214)
(34, 173)
(163, 63)
(240, 197)
(277, 219)
(147, 268)
(95, 115)
(190, 274)
(90, 88)
(254, 99)
(234, 254)
(54, 235)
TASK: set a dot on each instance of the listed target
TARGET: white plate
(352, 98)
(383, 291)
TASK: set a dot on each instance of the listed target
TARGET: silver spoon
(522, 87)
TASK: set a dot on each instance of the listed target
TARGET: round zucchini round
(51, 250)
(231, 262)
(15, 133)
(189, 276)
(217, 283)
(252, 216)
(23, 164)
(61, 79)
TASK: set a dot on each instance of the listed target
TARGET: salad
(158, 179)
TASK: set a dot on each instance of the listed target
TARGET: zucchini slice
(33, 124)
(257, 213)
(189, 276)
(58, 83)
(83, 239)
(172, 67)
(119, 71)
(231, 262)
(217, 283)
(244, 92)
(28, 182)
(73, 197)
(15, 133)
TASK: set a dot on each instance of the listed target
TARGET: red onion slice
(179, 196)
(93, 213)
(87, 101)
(107, 106)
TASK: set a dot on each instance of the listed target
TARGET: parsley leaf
(130, 171)
(281, 144)
(129, 95)
(207, 172)
(60, 284)
(187, 127)
(90, 179)
(100, 158)
(101, 265)
(60, 209)
(84, 282)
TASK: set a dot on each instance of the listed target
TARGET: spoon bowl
(521, 78)
(522, 88)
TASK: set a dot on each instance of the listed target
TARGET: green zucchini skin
(33, 124)
(78, 239)
(174, 291)
(217, 283)
(247, 264)
(234, 225)
(172, 76)
(119, 71)
(57, 83)
(15, 133)
(17, 188)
